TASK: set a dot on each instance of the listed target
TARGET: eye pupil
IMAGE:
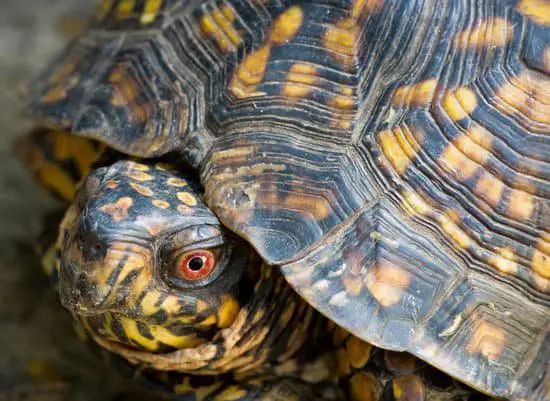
(196, 263)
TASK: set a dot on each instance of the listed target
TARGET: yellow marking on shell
(415, 204)
(219, 25)
(209, 321)
(160, 204)
(132, 165)
(342, 39)
(540, 262)
(187, 198)
(364, 387)
(386, 282)
(504, 260)
(227, 312)
(54, 95)
(231, 393)
(454, 161)
(300, 79)
(141, 189)
(118, 210)
(315, 205)
(67, 146)
(343, 365)
(365, 7)
(487, 339)
(358, 352)
(527, 93)
(460, 103)
(352, 284)
(418, 94)
(125, 8)
(176, 182)
(150, 11)
(538, 10)
(286, 25)
(199, 393)
(471, 149)
(250, 73)
(234, 153)
(489, 188)
(489, 33)
(457, 234)
(398, 147)
(139, 176)
(520, 205)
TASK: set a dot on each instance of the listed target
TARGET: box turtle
(391, 158)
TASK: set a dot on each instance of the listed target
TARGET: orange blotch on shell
(520, 205)
(455, 162)
(141, 189)
(460, 103)
(118, 210)
(471, 149)
(300, 80)
(504, 260)
(540, 262)
(489, 188)
(489, 33)
(391, 145)
(250, 73)
(361, 8)
(386, 282)
(418, 94)
(415, 204)
(342, 40)
(546, 60)
(187, 198)
(527, 93)
(453, 230)
(538, 10)
(364, 387)
(400, 362)
(54, 95)
(132, 165)
(286, 25)
(487, 339)
(219, 25)
(317, 206)
(184, 209)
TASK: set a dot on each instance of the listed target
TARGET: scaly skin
(120, 252)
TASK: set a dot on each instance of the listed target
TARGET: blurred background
(40, 356)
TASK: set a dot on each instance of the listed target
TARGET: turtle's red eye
(196, 265)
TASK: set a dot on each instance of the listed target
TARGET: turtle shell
(392, 156)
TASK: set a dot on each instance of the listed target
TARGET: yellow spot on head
(139, 176)
(286, 25)
(160, 204)
(386, 282)
(187, 198)
(141, 189)
(227, 312)
(487, 339)
(118, 210)
(538, 10)
(460, 103)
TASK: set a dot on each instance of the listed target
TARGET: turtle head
(144, 263)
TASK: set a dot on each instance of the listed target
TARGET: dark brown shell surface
(392, 156)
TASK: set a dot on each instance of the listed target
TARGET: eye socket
(196, 265)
